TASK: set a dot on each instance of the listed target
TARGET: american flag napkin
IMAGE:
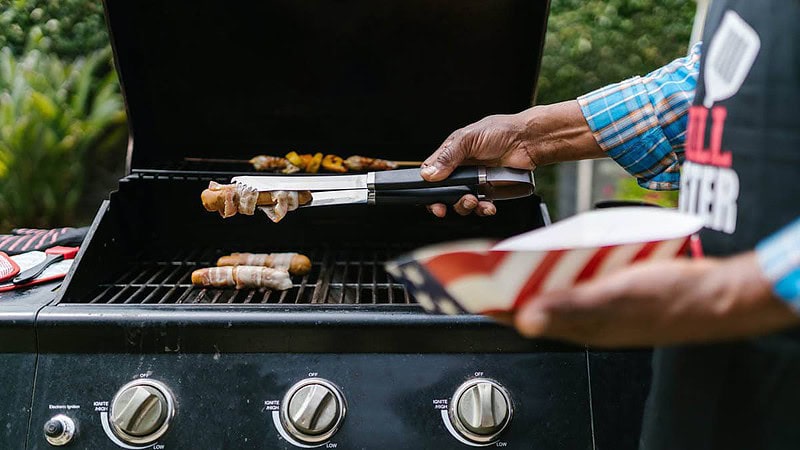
(480, 277)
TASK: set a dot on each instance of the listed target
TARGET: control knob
(141, 411)
(59, 430)
(312, 410)
(480, 410)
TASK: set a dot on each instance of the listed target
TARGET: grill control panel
(295, 400)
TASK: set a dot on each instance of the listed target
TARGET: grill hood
(386, 78)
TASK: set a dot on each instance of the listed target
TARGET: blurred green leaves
(62, 122)
(68, 28)
(591, 43)
(56, 118)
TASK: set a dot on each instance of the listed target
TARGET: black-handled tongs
(404, 186)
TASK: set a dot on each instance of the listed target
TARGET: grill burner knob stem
(141, 411)
(59, 430)
(480, 410)
(312, 410)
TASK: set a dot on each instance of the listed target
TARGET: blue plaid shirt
(641, 124)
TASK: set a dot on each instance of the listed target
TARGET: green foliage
(68, 28)
(591, 43)
(629, 189)
(54, 117)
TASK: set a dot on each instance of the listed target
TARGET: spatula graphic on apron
(730, 56)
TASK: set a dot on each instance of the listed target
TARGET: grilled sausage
(229, 199)
(242, 277)
(295, 263)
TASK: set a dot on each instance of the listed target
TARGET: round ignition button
(141, 410)
(59, 430)
(480, 410)
(313, 410)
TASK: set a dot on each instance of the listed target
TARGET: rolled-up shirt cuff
(779, 258)
(626, 127)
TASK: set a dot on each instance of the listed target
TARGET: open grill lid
(386, 78)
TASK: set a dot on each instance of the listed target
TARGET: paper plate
(486, 277)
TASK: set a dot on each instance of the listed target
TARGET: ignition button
(59, 430)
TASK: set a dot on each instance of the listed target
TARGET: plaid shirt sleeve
(779, 258)
(641, 122)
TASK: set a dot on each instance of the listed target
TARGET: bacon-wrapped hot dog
(230, 199)
(295, 263)
(242, 277)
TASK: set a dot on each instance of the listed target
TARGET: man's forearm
(558, 133)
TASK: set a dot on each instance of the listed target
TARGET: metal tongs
(404, 186)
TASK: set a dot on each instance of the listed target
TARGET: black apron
(742, 173)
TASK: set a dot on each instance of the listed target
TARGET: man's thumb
(443, 161)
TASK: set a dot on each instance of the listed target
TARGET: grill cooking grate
(347, 275)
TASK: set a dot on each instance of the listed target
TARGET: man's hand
(662, 303)
(538, 136)
(493, 141)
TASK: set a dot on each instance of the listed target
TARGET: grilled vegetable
(333, 163)
(313, 166)
(295, 159)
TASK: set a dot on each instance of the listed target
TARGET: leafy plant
(68, 28)
(591, 43)
(54, 116)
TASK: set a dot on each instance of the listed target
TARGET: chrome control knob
(313, 410)
(59, 430)
(141, 411)
(480, 410)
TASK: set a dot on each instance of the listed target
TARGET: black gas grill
(136, 357)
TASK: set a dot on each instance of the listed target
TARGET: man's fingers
(438, 209)
(485, 208)
(578, 314)
(532, 322)
(466, 204)
(541, 316)
(445, 159)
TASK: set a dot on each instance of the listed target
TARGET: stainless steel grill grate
(342, 275)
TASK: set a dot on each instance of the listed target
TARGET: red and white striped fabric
(8, 267)
(480, 277)
(27, 260)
